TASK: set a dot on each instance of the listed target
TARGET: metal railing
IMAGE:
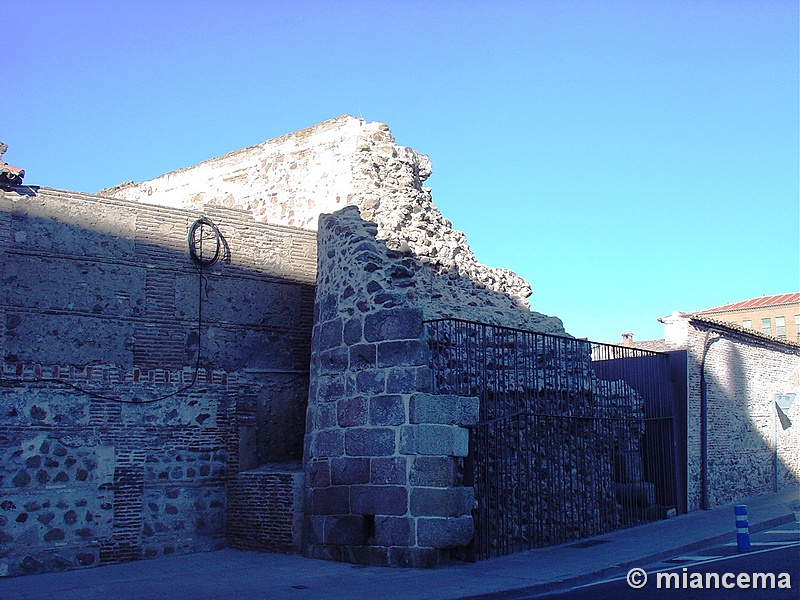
(575, 438)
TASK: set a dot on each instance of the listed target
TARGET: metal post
(774, 446)
(742, 528)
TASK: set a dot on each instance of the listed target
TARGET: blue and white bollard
(742, 528)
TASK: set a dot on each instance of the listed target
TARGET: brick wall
(742, 373)
(100, 294)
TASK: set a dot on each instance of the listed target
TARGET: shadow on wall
(741, 446)
(385, 449)
(101, 295)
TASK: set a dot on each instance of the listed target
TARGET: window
(747, 324)
(780, 327)
(766, 326)
(797, 326)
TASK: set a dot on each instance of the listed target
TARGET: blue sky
(628, 158)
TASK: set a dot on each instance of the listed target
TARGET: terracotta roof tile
(739, 329)
(760, 302)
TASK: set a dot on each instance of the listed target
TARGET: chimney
(627, 339)
(9, 175)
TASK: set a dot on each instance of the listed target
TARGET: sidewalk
(230, 574)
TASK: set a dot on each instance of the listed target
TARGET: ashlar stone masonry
(383, 455)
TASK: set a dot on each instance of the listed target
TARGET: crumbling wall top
(346, 161)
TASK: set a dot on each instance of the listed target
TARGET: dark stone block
(388, 300)
(371, 382)
(30, 565)
(54, 535)
(330, 334)
(441, 502)
(57, 563)
(335, 359)
(375, 556)
(319, 473)
(388, 470)
(327, 307)
(387, 410)
(378, 500)
(21, 479)
(413, 557)
(405, 380)
(345, 530)
(45, 517)
(403, 353)
(449, 532)
(330, 387)
(393, 531)
(353, 331)
(324, 415)
(352, 412)
(348, 471)
(330, 500)
(328, 443)
(85, 559)
(443, 409)
(435, 471)
(322, 552)
(379, 441)
(393, 324)
(362, 356)
(316, 529)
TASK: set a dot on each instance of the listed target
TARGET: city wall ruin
(281, 399)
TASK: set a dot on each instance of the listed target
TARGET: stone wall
(382, 453)
(558, 454)
(391, 404)
(99, 295)
(742, 372)
(342, 162)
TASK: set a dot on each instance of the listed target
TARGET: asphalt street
(774, 552)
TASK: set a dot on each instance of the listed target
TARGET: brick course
(100, 294)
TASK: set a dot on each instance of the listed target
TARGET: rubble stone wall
(100, 294)
(293, 179)
(382, 453)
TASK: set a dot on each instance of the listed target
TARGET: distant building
(777, 316)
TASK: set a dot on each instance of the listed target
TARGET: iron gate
(575, 438)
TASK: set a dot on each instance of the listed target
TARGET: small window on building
(747, 324)
(780, 327)
(766, 326)
(797, 326)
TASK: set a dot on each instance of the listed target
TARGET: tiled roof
(760, 302)
(652, 345)
(10, 175)
(739, 329)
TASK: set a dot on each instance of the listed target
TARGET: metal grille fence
(575, 438)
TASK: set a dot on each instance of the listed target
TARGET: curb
(540, 589)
